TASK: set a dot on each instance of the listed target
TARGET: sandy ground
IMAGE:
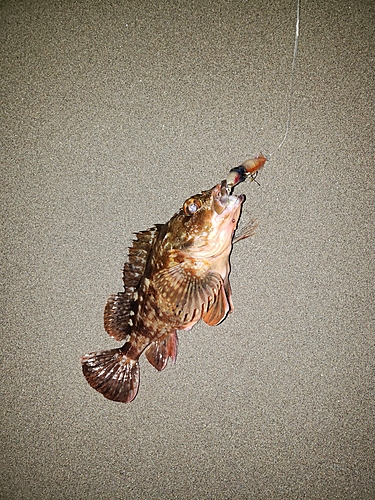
(113, 113)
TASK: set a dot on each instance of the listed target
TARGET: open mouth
(222, 198)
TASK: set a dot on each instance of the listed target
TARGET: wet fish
(176, 274)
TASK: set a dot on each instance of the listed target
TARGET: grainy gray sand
(114, 112)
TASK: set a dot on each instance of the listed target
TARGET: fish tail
(112, 373)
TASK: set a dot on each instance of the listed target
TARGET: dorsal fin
(120, 308)
(138, 254)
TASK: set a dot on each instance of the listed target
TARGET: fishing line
(290, 92)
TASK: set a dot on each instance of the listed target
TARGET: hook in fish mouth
(222, 198)
(224, 190)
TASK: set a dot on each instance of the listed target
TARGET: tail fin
(112, 374)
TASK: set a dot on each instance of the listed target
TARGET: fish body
(176, 274)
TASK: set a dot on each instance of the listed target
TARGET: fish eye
(191, 206)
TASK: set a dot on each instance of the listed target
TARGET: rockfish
(176, 274)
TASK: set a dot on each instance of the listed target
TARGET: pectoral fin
(188, 289)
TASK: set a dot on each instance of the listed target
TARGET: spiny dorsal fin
(137, 259)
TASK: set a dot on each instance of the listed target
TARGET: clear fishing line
(290, 91)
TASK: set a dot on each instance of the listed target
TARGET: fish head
(205, 224)
(191, 259)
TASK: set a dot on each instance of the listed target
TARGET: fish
(176, 274)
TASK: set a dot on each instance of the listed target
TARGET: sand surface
(113, 113)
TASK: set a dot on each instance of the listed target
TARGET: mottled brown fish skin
(176, 274)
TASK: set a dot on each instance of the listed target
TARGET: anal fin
(160, 350)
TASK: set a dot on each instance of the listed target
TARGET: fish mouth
(222, 199)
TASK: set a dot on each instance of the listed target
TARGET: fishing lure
(248, 168)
